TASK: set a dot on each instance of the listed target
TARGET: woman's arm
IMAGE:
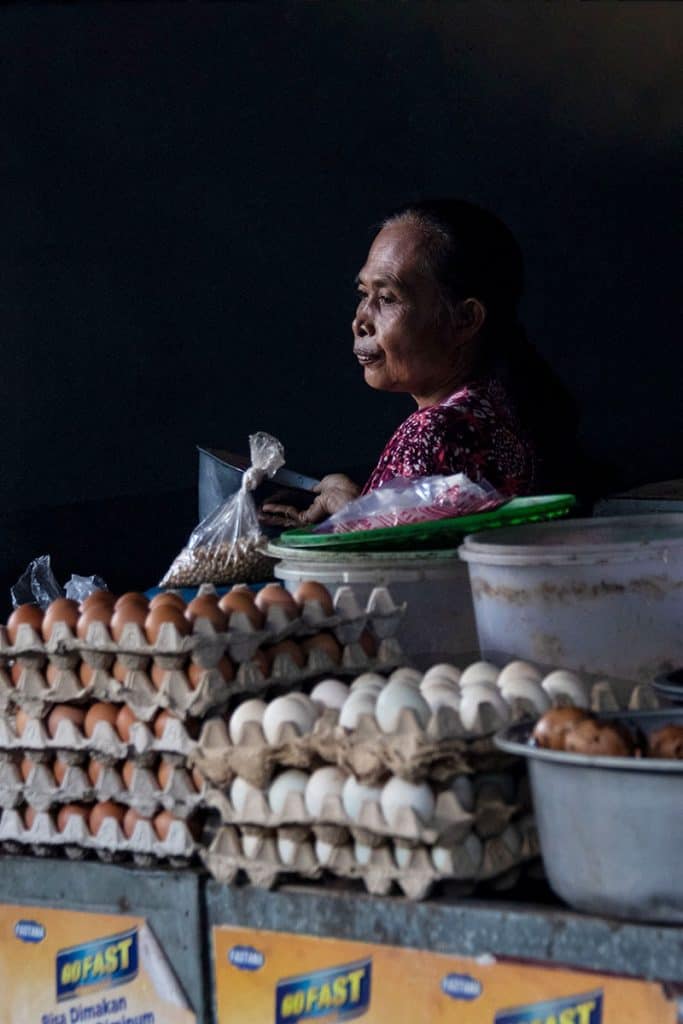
(333, 492)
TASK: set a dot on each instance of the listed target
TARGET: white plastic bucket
(439, 623)
(600, 596)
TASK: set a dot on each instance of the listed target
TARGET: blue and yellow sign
(99, 964)
(336, 993)
(583, 1009)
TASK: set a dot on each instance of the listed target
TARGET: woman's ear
(470, 315)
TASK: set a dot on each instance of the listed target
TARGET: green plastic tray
(436, 533)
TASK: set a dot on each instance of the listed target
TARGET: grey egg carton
(144, 847)
(105, 744)
(381, 869)
(449, 824)
(42, 791)
(381, 615)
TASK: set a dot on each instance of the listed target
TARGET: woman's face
(400, 340)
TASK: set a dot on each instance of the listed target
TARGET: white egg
(290, 781)
(369, 681)
(483, 709)
(443, 696)
(397, 794)
(402, 856)
(461, 861)
(396, 696)
(355, 794)
(250, 711)
(330, 692)
(519, 669)
(251, 845)
(362, 853)
(359, 703)
(529, 692)
(479, 672)
(406, 675)
(239, 793)
(323, 851)
(566, 686)
(287, 850)
(288, 709)
(441, 671)
(324, 782)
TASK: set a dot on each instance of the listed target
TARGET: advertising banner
(68, 967)
(267, 977)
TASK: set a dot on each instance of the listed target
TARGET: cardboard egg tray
(33, 693)
(42, 791)
(73, 746)
(265, 860)
(206, 646)
(411, 752)
(449, 825)
(76, 841)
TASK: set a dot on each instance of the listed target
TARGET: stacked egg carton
(100, 704)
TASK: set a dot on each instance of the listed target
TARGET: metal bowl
(670, 687)
(610, 828)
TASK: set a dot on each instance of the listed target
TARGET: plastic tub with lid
(600, 596)
(439, 622)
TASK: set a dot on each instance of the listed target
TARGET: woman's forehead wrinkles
(379, 278)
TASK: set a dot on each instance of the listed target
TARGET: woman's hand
(333, 492)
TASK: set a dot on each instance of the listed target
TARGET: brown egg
(130, 820)
(119, 671)
(62, 713)
(164, 773)
(125, 719)
(26, 767)
(52, 674)
(71, 811)
(29, 816)
(162, 824)
(98, 597)
(85, 673)
(275, 594)
(289, 647)
(194, 674)
(100, 712)
(667, 742)
(95, 613)
(368, 643)
(59, 770)
(600, 739)
(160, 615)
(167, 599)
(62, 610)
(160, 722)
(15, 672)
(326, 643)
(242, 601)
(206, 607)
(309, 590)
(197, 779)
(29, 614)
(262, 662)
(103, 810)
(132, 597)
(550, 731)
(128, 773)
(95, 769)
(124, 615)
(21, 720)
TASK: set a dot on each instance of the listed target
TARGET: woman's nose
(362, 325)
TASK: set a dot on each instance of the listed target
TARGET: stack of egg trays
(74, 748)
(205, 647)
(489, 842)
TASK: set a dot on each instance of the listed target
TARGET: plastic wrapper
(403, 501)
(225, 546)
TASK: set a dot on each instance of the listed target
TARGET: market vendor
(437, 318)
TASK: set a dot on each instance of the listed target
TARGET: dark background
(188, 192)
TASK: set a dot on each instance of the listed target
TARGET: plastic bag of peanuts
(226, 546)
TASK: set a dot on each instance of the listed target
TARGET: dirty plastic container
(439, 622)
(600, 596)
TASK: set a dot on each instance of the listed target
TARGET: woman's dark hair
(472, 254)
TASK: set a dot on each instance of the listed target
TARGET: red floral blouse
(473, 431)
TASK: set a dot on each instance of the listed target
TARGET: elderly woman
(437, 318)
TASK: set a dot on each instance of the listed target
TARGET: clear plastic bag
(403, 501)
(225, 546)
(38, 585)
